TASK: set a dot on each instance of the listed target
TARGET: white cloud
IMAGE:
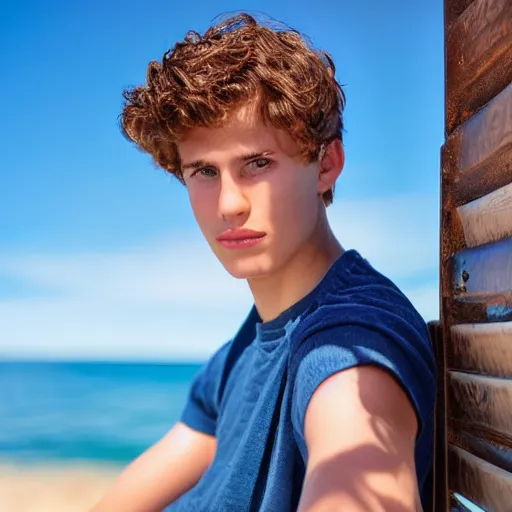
(172, 299)
(159, 272)
(77, 328)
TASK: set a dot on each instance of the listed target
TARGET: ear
(331, 165)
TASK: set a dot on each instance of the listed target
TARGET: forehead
(242, 133)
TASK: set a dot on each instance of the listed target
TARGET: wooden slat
(481, 406)
(488, 308)
(487, 219)
(496, 454)
(481, 348)
(485, 270)
(477, 157)
(481, 284)
(482, 483)
(478, 57)
(487, 132)
(453, 9)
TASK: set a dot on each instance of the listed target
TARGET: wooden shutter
(476, 258)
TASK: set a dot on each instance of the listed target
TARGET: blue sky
(99, 254)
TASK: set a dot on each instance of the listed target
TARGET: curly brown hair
(203, 79)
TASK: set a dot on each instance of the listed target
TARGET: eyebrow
(244, 158)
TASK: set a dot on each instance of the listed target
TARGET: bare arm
(161, 474)
(360, 430)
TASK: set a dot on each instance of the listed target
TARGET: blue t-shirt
(253, 393)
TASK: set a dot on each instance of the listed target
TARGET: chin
(248, 268)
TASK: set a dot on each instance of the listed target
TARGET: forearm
(137, 490)
(140, 490)
(162, 474)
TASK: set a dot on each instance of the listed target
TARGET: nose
(233, 203)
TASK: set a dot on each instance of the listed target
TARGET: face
(248, 176)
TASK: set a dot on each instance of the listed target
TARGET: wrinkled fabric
(254, 392)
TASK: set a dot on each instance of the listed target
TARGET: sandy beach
(62, 488)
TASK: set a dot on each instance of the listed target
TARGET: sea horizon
(108, 411)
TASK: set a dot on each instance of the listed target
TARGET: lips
(240, 238)
(238, 235)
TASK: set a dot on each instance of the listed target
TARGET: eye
(260, 164)
(205, 172)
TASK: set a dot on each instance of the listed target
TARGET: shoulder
(362, 305)
(363, 319)
(359, 294)
(370, 397)
(207, 388)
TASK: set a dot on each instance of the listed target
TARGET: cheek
(296, 206)
(201, 208)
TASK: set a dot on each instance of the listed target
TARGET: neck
(276, 292)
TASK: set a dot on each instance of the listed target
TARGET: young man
(324, 399)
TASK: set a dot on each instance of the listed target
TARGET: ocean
(98, 412)
(92, 412)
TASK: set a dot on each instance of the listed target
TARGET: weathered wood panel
(481, 348)
(477, 157)
(488, 131)
(481, 406)
(478, 58)
(481, 284)
(489, 308)
(494, 453)
(453, 9)
(485, 270)
(476, 254)
(482, 483)
(487, 219)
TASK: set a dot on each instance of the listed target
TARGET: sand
(62, 488)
